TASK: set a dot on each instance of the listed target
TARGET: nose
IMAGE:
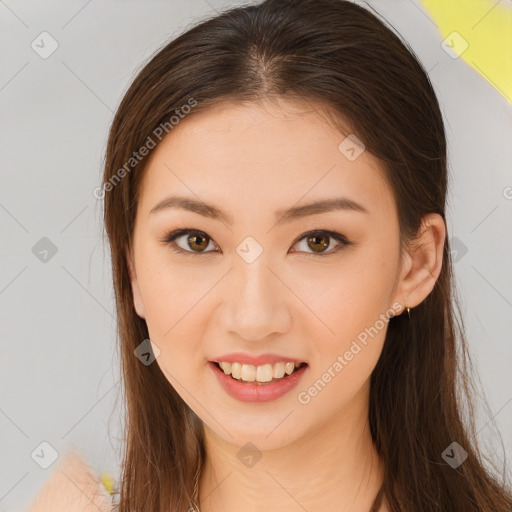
(256, 301)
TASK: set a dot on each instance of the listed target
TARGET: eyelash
(171, 237)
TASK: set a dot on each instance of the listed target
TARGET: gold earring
(409, 312)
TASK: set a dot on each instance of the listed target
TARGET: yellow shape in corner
(108, 482)
(479, 32)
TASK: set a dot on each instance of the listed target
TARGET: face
(313, 285)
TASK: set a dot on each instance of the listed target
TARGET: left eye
(318, 241)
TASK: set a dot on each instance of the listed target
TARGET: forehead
(252, 157)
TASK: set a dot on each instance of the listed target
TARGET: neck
(333, 468)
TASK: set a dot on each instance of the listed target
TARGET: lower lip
(247, 392)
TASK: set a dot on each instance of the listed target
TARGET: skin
(251, 160)
(72, 486)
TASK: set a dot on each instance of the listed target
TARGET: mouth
(258, 375)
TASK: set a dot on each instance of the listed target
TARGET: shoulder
(72, 487)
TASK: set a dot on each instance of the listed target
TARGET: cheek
(173, 318)
(174, 302)
(352, 300)
(349, 295)
(168, 299)
(342, 363)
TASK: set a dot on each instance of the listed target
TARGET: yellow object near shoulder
(73, 487)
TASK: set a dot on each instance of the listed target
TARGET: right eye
(192, 238)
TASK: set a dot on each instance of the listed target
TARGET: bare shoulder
(72, 487)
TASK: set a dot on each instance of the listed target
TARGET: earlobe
(137, 297)
(423, 262)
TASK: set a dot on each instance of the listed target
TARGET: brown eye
(198, 242)
(318, 242)
(189, 241)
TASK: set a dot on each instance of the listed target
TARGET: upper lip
(239, 357)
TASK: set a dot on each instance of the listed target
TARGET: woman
(308, 360)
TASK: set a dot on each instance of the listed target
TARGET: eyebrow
(282, 216)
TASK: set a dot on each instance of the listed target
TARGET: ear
(422, 262)
(137, 297)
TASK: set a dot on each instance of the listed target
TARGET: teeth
(278, 370)
(236, 370)
(248, 372)
(264, 373)
(289, 367)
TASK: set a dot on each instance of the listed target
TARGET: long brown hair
(341, 55)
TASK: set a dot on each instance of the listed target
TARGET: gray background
(59, 367)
